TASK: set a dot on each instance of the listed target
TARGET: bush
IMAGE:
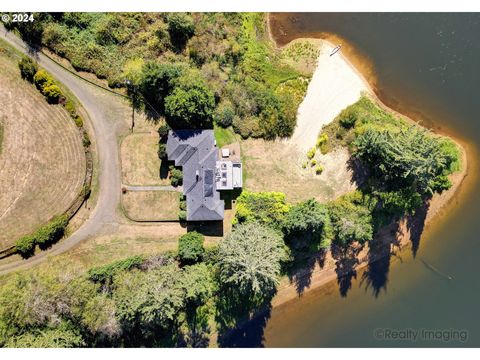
(51, 232)
(267, 208)
(52, 92)
(313, 163)
(181, 28)
(224, 114)
(311, 153)
(183, 202)
(348, 117)
(41, 78)
(162, 150)
(319, 169)
(105, 273)
(27, 68)
(69, 105)
(176, 176)
(190, 247)
(25, 246)
(163, 132)
(247, 127)
(182, 215)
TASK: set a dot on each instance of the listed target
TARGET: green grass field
(224, 136)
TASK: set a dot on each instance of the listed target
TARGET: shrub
(105, 273)
(311, 153)
(181, 28)
(348, 117)
(313, 163)
(51, 232)
(176, 176)
(163, 132)
(27, 68)
(69, 105)
(162, 150)
(183, 202)
(224, 114)
(25, 246)
(182, 215)
(322, 143)
(319, 169)
(52, 92)
(267, 208)
(78, 121)
(247, 127)
(41, 78)
(190, 247)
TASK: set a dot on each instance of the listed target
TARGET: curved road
(105, 134)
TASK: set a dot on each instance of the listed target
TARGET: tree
(250, 259)
(224, 114)
(351, 221)
(268, 208)
(62, 337)
(190, 247)
(190, 104)
(305, 223)
(407, 158)
(157, 82)
(27, 68)
(149, 301)
(181, 28)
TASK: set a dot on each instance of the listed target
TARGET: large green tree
(190, 104)
(306, 224)
(250, 259)
(409, 157)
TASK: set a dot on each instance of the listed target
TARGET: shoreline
(437, 210)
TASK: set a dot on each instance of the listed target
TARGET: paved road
(104, 213)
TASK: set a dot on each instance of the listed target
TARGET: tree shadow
(241, 321)
(375, 276)
(360, 173)
(302, 266)
(416, 225)
(346, 262)
(164, 169)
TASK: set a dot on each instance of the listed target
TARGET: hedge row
(44, 236)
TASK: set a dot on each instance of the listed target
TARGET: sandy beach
(335, 85)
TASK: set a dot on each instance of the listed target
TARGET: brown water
(428, 64)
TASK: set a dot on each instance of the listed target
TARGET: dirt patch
(151, 205)
(277, 166)
(140, 162)
(42, 162)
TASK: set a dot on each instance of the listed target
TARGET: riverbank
(402, 232)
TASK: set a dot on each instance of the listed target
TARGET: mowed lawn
(140, 162)
(42, 159)
(151, 205)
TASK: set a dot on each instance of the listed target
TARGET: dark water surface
(428, 64)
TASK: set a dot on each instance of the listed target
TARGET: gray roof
(195, 150)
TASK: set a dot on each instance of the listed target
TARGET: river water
(426, 65)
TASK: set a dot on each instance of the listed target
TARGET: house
(203, 173)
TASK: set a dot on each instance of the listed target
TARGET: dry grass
(140, 162)
(277, 166)
(151, 205)
(42, 161)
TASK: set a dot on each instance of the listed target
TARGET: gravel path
(104, 214)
